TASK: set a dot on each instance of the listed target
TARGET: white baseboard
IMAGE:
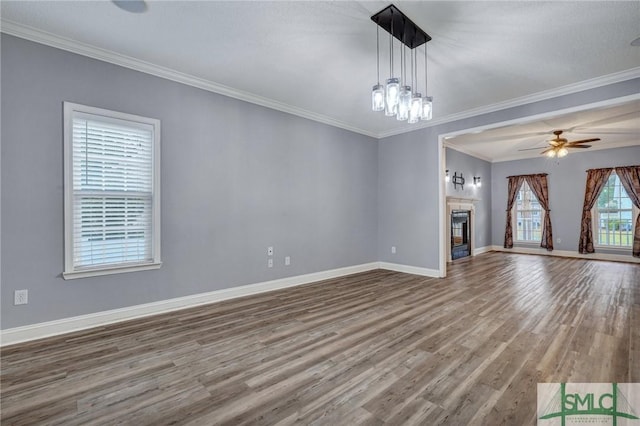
(567, 253)
(410, 269)
(66, 325)
(82, 322)
(481, 250)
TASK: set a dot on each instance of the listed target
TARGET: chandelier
(396, 97)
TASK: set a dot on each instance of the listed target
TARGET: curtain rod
(535, 174)
(611, 168)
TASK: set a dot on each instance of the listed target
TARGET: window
(112, 192)
(528, 216)
(613, 215)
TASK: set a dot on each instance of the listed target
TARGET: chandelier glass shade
(396, 97)
(416, 108)
(404, 102)
(377, 98)
(392, 96)
(426, 113)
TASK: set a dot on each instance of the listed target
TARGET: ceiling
(317, 59)
(617, 126)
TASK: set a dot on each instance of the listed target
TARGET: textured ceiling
(617, 126)
(318, 58)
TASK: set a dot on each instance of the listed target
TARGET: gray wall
(469, 167)
(236, 178)
(408, 207)
(408, 176)
(566, 179)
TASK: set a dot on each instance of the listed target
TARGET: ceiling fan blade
(583, 141)
(577, 146)
(554, 142)
(546, 150)
(517, 136)
(531, 149)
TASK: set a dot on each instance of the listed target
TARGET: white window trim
(69, 271)
(595, 219)
(514, 222)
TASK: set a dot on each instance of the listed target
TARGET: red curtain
(630, 179)
(596, 180)
(515, 182)
(538, 184)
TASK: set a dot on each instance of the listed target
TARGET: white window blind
(112, 200)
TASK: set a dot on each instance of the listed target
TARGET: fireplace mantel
(462, 200)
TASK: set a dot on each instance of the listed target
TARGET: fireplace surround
(460, 223)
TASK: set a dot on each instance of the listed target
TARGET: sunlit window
(613, 215)
(528, 216)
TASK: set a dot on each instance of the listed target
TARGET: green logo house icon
(586, 403)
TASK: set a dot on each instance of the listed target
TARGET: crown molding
(73, 46)
(523, 100)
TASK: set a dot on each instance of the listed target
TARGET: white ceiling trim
(49, 39)
(73, 46)
(536, 97)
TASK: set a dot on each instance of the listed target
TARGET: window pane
(613, 215)
(528, 216)
(112, 189)
(112, 230)
(111, 158)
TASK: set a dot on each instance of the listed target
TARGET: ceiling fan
(558, 147)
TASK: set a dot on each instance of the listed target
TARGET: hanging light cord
(426, 90)
(402, 67)
(415, 88)
(417, 79)
(378, 51)
(391, 48)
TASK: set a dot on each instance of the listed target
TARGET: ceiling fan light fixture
(559, 147)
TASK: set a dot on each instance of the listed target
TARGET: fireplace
(460, 234)
(460, 220)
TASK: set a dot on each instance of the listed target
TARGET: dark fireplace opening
(460, 234)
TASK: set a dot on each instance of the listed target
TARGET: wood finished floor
(373, 348)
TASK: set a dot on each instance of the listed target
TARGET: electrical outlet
(393, 249)
(287, 260)
(21, 297)
(269, 251)
(270, 263)
(559, 240)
